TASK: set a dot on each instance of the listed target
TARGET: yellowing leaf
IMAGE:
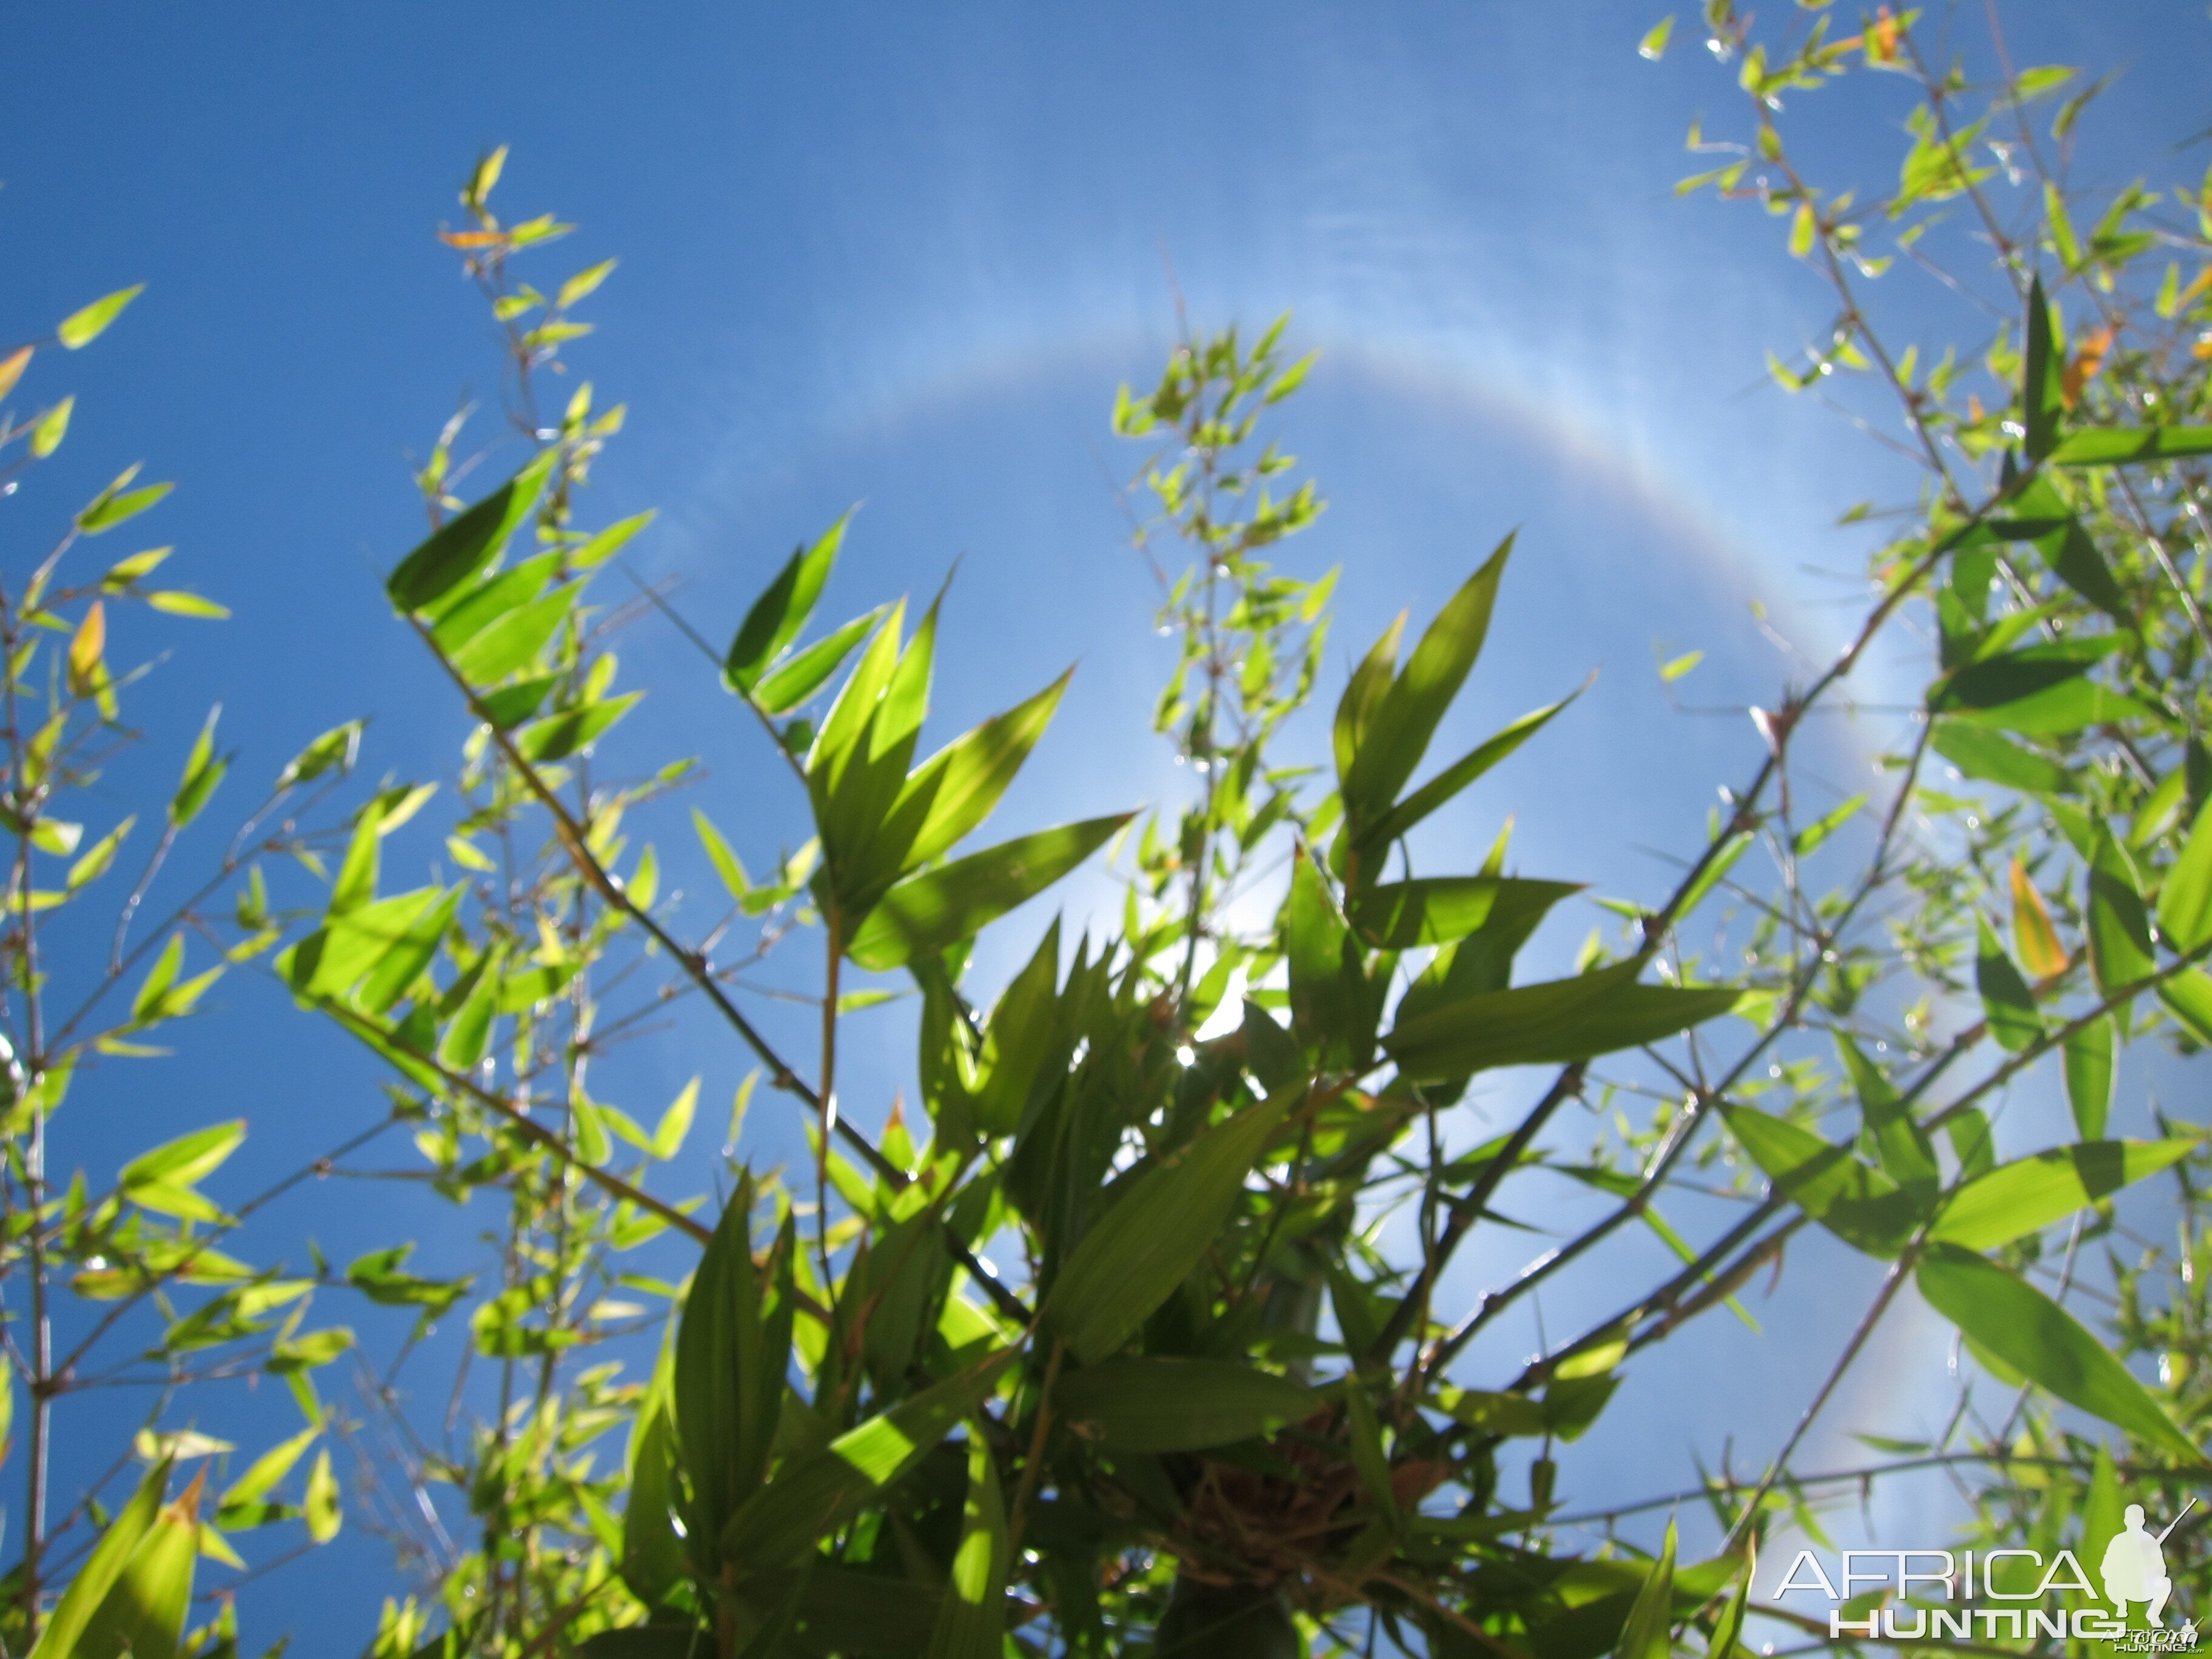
(82, 328)
(2032, 932)
(86, 647)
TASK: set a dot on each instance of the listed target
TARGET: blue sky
(903, 255)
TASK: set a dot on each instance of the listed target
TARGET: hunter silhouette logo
(2134, 1567)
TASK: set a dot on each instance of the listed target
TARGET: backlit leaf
(928, 912)
(1144, 1246)
(2025, 1196)
(1134, 1404)
(2044, 1343)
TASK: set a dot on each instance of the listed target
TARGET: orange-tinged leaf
(11, 369)
(465, 239)
(2032, 932)
(1881, 39)
(86, 648)
(2087, 362)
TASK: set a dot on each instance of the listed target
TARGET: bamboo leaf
(1458, 775)
(732, 1345)
(2027, 1195)
(82, 327)
(971, 1623)
(1400, 915)
(2089, 1076)
(1856, 1202)
(2185, 898)
(1144, 1246)
(1647, 1634)
(786, 687)
(2120, 446)
(1396, 734)
(778, 615)
(465, 544)
(928, 912)
(66, 1625)
(2043, 378)
(142, 1615)
(817, 1492)
(1552, 1022)
(2006, 1000)
(1150, 1404)
(2044, 1343)
(2119, 929)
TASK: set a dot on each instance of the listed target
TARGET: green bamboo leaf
(778, 615)
(609, 541)
(2187, 998)
(1856, 1202)
(66, 1625)
(2075, 559)
(80, 328)
(324, 1516)
(2006, 1000)
(1900, 1141)
(785, 688)
(465, 544)
(1555, 1022)
(2119, 446)
(871, 775)
(721, 855)
(652, 1553)
(2185, 898)
(1981, 753)
(1400, 916)
(271, 1467)
(1363, 695)
(142, 1615)
(1728, 1630)
(1332, 1008)
(559, 735)
(147, 1005)
(94, 862)
(51, 428)
(186, 1160)
(403, 960)
(336, 748)
(2089, 1076)
(2012, 676)
(204, 770)
(817, 1492)
(514, 640)
(1134, 1404)
(462, 617)
(2045, 1344)
(971, 1623)
(111, 508)
(1458, 775)
(928, 912)
(1647, 1634)
(955, 789)
(1812, 835)
(732, 1345)
(1144, 1246)
(2119, 928)
(2028, 1194)
(2042, 392)
(1396, 734)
